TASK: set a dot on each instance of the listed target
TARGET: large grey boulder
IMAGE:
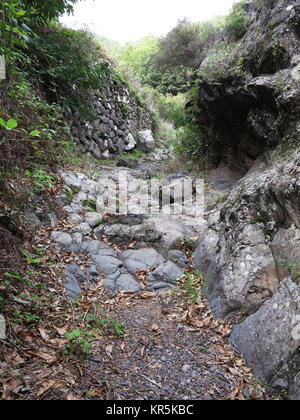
(168, 273)
(142, 259)
(127, 283)
(206, 251)
(63, 239)
(146, 142)
(106, 263)
(121, 281)
(173, 232)
(270, 339)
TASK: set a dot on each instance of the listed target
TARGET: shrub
(68, 65)
(237, 22)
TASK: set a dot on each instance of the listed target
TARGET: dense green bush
(68, 66)
(237, 22)
(180, 46)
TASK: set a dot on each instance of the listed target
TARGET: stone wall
(119, 116)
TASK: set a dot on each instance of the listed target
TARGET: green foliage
(13, 29)
(69, 67)
(192, 143)
(237, 22)
(41, 179)
(10, 125)
(139, 58)
(42, 12)
(292, 268)
(79, 342)
(105, 323)
(181, 46)
(90, 204)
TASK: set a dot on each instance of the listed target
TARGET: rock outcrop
(250, 252)
(248, 93)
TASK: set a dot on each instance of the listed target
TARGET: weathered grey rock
(93, 219)
(126, 283)
(142, 259)
(285, 249)
(179, 258)
(73, 208)
(83, 228)
(107, 264)
(63, 239)
(243, 276)
(89, 187)
(2, 328)
(76, 271)
(130, 143)
(93, 246)
(270, 339)
(146, 142)
(73, 290)
(127, 163)
(159, 285)
(205, 253)
(79, 198)
(93, 271)
(172, 232)
(122, 234)
(71, 179)
(168, 272)
(75, 218)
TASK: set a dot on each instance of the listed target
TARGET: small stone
(2, 328)
(186, 368)
(167, 272)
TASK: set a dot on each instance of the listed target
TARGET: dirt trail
(172, 348)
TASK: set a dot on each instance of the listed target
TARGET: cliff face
(250, 253)
(248, 91)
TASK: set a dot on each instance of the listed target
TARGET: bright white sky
(131, 20)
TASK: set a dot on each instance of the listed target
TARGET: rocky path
(140, 270)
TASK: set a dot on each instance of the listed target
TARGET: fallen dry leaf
(45, 356)
(8, 387)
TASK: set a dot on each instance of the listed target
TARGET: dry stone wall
(119, 117)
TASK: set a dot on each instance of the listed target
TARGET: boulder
(130, 143)
(270, 339)
(73, 289)
(168, 273)
(142, 259)
(63, 239)
(146, 142)
(106, 263)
